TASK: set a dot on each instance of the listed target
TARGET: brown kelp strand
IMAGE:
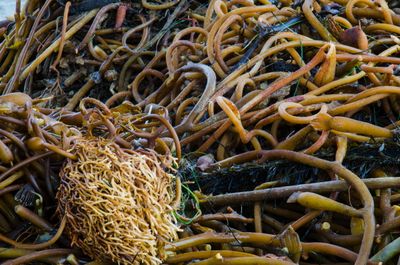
(200, 132)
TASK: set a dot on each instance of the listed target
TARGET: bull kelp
(200, 132)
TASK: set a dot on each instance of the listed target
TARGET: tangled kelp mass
(200, 132)
(131, 199)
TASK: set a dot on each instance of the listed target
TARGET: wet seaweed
(362, 159)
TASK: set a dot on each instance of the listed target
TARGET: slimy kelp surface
(280, 117)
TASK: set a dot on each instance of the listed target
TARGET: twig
(282, 192)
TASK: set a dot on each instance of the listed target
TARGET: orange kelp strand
(326, 122)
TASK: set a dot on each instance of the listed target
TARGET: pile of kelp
(200, 132)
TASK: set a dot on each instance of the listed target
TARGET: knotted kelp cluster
(131, 199)
(200, 132)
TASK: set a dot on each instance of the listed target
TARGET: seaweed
(88, 5)
(361, 159)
